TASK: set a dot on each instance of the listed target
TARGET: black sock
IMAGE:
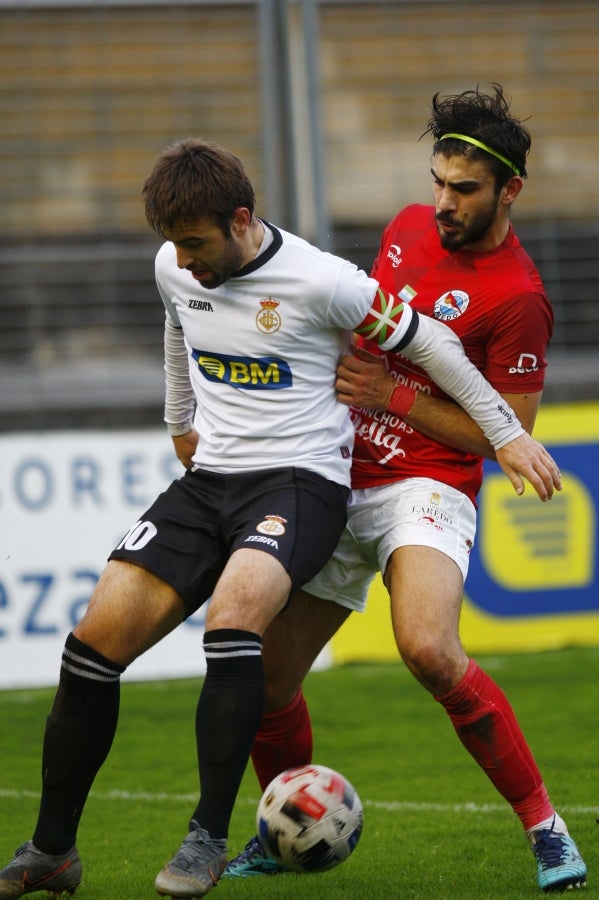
(79, 733)
(228, 714)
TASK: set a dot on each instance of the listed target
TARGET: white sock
(554, 823)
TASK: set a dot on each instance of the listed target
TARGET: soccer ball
(309, 819)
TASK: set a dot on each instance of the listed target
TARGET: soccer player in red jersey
(417, 468)
(256, 321)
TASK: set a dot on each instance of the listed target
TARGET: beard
(472, 232)
(231, 260)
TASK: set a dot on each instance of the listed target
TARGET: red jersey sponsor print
(496, 304)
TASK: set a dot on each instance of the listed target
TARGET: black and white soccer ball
(309, 819)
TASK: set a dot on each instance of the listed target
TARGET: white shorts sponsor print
(417, 511)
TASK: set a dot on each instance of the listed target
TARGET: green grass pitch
(433, 825)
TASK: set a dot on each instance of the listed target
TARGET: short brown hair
(195, 179)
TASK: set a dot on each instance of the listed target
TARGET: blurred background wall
(324, 101)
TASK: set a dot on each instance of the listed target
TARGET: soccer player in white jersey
(256, 320)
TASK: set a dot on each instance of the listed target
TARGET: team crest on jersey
(451, 305)
(268, 319)
(272, 526)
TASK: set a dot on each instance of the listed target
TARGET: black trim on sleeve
(411, 331)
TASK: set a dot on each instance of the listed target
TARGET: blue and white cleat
(560, 867)
(252, 861)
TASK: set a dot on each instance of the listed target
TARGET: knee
(436, 665)
(279, 692)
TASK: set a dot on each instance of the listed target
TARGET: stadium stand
(90, 92)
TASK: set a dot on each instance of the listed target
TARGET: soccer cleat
(31, 870)
(560, 866)
(252, 861)
(196, 867)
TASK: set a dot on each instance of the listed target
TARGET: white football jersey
(263, 350)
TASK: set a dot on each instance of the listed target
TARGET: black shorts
(188, 534)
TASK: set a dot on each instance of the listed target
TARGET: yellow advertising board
(533, 582)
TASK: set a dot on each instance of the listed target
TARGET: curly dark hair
(486, 118)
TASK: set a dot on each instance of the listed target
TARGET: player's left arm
(430, 344)
(516, 459)
(398, 328)
(363, 380)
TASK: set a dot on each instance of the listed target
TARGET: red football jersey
(496, 304)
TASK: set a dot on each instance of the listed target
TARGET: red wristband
(401, 400)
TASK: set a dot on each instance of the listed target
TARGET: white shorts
(416, 511)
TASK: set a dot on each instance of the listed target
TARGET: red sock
(284, 740)
(486, 725)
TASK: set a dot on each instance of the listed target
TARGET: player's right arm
(179, 402)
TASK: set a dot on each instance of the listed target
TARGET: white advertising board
(66, 498)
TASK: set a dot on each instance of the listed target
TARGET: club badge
(451, 305)
(274, 526)
(268, 319)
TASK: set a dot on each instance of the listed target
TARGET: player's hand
(185, 446)
(363, 380)
(525, 457)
